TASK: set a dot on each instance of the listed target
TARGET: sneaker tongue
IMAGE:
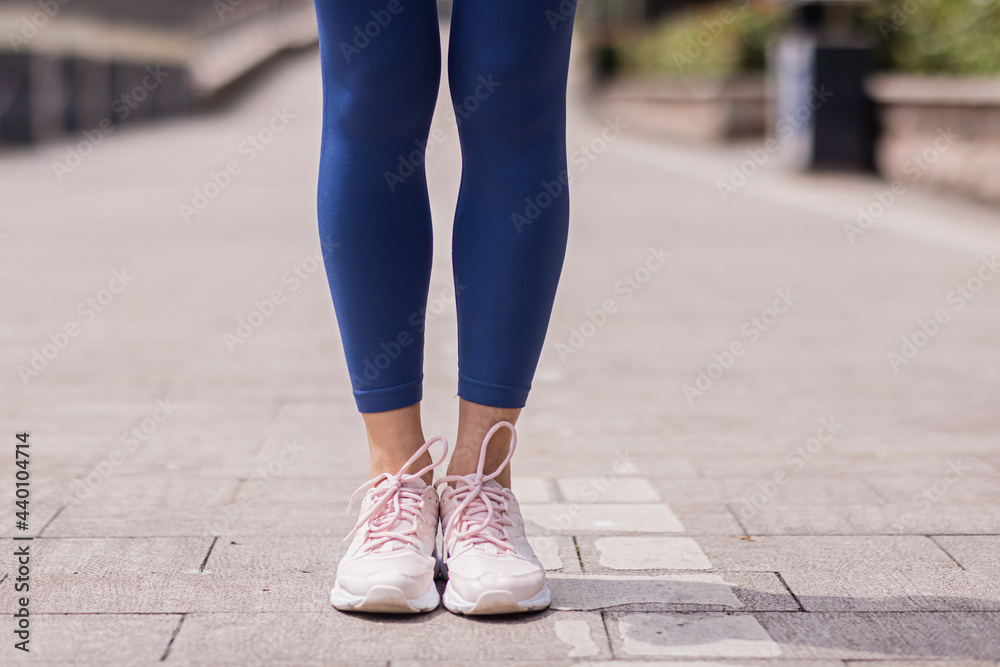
(476, 513)
(404, 522)
(408, 484)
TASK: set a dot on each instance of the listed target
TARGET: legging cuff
(391, 398)
(495, 395)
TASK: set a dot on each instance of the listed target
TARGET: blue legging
(507, 67)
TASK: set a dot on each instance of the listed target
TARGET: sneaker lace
(395, 511)
(482, 512)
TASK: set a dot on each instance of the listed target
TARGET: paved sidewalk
(721, 462)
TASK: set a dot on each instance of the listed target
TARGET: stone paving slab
(836, 491)
(875, 636)
(648, 592)
(761, 591)
(755, 662)
(94, 639)
(533, 489)
(922, 663)
(864, 553)
(84, 575)
(162, 505)
(896, 519)
(233, 638)
(973, 552)
(962, 490)
(930, 467)
(707, 519)
(557, 553)
(603, 517)
(175, 505)
(859, 636)
(694, 635)
(648, 553)
(608, 488)
(892, 591)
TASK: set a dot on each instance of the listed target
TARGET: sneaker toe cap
(412, 578)
(521, 578)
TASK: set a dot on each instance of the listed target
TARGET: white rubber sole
(385, 600)
(495, 602)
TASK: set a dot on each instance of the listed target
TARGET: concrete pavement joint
(208, 555)
(51, 519)
(790, 591)
(170, 644)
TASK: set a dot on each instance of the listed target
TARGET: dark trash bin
(824, 116)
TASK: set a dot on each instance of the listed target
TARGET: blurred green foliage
(938, 36)
(719, 40)
(959, 37)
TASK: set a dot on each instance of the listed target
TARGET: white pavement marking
(618, 490)
(652, 663)
(710, 635)
(601, 591)
(651, 553)
(547, 550)
(627, 518)
(531, 490)
(577, 635)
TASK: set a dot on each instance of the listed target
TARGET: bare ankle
(393, 437)
(474, 422)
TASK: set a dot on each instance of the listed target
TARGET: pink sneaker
(389, 566)
(491, 568)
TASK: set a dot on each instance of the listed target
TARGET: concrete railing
(940, 131)
(71, 65)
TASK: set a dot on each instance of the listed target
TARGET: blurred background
(168, 338)
(689, 70)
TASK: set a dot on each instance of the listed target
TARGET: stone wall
(940, 132)
(681, 109)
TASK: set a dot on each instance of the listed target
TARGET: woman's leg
(393, 436)
(507, 67)
(381, 65)
(474, 420)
